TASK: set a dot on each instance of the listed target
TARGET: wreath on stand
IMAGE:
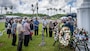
(64, 36)
(80, 38)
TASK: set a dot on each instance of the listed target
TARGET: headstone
(42, 42)
(83, 16)
(1, 33)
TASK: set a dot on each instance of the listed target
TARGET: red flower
(31, 33)
(84, 32)
(86, 38)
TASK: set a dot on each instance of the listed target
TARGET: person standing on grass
(24, 21)
(26, 33)
(45, 23)
(32, 28)
(51, 26)
(55, 23)
(36, 26)
(70, 23)
(9, 29)
(13, 30)
(20, 32)
(6, 23)
(55, 29)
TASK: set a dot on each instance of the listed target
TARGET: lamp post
(37, 8)
(70, 9)
(32, 8)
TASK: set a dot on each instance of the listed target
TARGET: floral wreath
(64, 36)
(80, 35)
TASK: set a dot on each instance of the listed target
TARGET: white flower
(64, 39)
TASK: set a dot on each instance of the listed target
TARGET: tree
(54, 10)
(51, 10)
(5, 9)
(60, 10)
(11, 7)
(48, 11)
(64, 11)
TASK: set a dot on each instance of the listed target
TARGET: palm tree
(47, 11)
(5, 9)
(54, 10)
(60, 10)
(64, 11)
(51, 10)
(11, 9)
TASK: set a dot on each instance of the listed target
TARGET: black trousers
(26, 40)
(14, 40)
(46, 31)
(20, 41)
(36, 32)
(50, 32)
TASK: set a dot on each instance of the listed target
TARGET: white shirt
(19, 28)
(45, 22)
(9, 26)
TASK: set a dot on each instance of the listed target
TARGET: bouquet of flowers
(56, 33)
(80, 35)
(64, 36)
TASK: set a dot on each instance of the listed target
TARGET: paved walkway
(2, 20)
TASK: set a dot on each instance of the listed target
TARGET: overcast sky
(24, 6)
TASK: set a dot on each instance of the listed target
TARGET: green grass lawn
(5, 43)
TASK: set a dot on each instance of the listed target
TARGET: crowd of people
(25, 28)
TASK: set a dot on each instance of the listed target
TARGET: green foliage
(29, 15)
(58, 15)
(40, 15)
